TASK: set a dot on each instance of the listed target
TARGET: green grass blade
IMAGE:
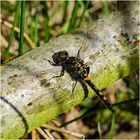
(22, 22)
(73, 20)
(83, 13)
(7, 54)
(99, 130)
(126, 101)
(47, 30)
(34, 29)
(105, 8)
(65, 11)
(112, 130)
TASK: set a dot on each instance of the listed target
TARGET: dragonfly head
(60, 57)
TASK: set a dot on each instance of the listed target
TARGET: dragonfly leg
(78, 53)
(88, 69)
(52, 63)
(61, 74)
(74, 85)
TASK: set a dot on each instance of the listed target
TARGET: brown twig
(56, 135)
(42, 133)
(34, 134)
(63, 130)
(49, 134)
(58, 124)
(16, 29)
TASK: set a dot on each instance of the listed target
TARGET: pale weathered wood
(29, 98)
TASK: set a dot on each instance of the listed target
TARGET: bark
(28, 96)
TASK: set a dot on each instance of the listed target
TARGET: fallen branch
(29, 98)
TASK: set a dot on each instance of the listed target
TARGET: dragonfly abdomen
(99, 93)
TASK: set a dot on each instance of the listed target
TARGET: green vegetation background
(45, 20)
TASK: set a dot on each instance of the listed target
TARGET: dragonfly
(77, 69)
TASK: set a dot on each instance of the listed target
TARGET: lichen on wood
(28, 96)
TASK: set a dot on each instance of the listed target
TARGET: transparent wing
(48, 100)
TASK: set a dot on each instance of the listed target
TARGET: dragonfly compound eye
(63, 56)
(56, 58)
